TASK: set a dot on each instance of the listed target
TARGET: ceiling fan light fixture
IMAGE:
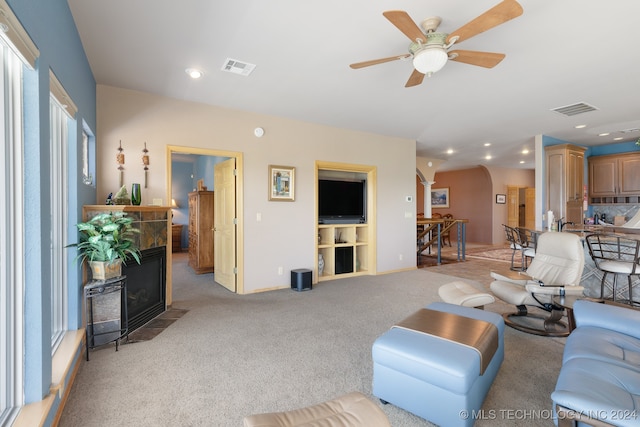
(430, 59)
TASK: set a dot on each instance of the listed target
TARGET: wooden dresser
(176, 237)
(201, 231)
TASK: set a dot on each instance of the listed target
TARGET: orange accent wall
(470, 197)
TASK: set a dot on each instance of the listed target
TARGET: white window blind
(59, 118)
(11, 236)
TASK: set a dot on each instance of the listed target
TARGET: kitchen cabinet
(565, 181)
(614, 178)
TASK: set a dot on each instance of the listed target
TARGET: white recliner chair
(555, 270)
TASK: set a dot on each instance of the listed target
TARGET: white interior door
(224, 224)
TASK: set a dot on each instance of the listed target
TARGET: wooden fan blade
(473, 57)
(404, 23)
(499, 14)
(378, 61)
(415, 79)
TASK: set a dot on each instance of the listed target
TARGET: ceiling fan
(430, 48)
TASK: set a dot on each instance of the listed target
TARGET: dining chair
(445, 236)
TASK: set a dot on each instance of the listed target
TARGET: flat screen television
(342, 201)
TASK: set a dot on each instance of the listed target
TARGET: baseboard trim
(400, 270)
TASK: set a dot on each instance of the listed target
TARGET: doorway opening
(521, 207)
(235, 254)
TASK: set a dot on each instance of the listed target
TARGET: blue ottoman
(435, 377)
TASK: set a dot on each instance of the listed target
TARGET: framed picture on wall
(440, 197)
(282, 183)
(501, 199)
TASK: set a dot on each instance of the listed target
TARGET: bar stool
(519, 243)
(614, 254)
(529, 240)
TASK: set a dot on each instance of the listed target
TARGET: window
(11, 235)
(86, 175)
(88, 148)
(17, 53)
(58, 144)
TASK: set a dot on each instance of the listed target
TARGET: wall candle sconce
(145, 162)
(120, 159)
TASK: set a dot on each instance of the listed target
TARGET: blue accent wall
(603, 150)
(50, 25)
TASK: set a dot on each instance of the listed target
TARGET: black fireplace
(146, 286)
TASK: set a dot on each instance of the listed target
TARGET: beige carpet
(231, 356)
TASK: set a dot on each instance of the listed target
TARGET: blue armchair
(599, 382)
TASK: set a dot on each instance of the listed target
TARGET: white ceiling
(557, 53)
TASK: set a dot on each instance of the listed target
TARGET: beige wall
(285, 236)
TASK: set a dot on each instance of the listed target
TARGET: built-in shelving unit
(344, 248)
(347, 249)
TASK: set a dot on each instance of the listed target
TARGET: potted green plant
(106, 240)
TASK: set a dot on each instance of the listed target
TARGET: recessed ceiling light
(488, 157)
(449, 151)
(487, 144)
(580, 126)
(604, 134)
(194, 73)
(521, 161)
(525, 151)
(618, 138)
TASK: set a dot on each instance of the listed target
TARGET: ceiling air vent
(574, 109)
(237, 67)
